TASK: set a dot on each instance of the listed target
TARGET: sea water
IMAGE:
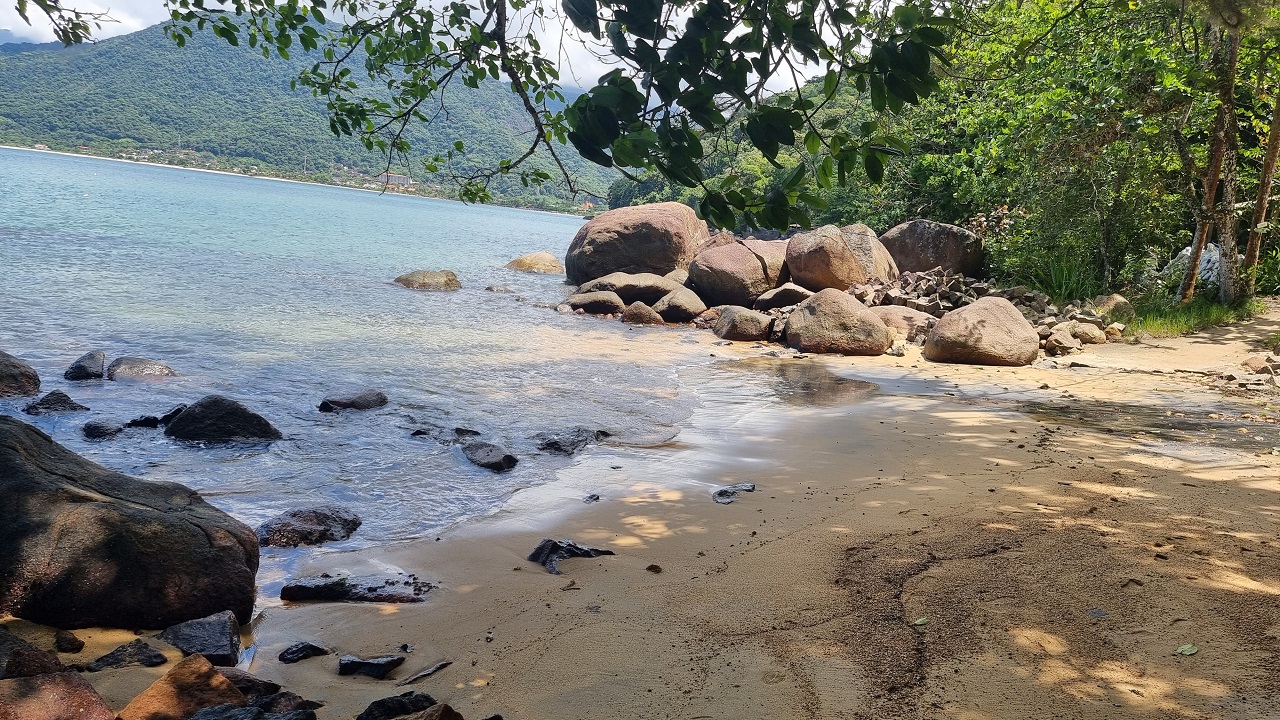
(280, 294)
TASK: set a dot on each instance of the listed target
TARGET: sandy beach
(946, 543)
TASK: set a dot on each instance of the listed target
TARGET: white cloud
(130, 16)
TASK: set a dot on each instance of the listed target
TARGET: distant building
(393, 179)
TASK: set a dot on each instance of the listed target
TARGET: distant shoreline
(275, 179)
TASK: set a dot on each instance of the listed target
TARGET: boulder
(377, 667)
(1114, 308)
(365, 400)
(190, 686)
(16, 377)
(1114, 332)
(489, 456)
(218, 419)
(308, 526)
(249, 685)
(134, 367)
(430, 280)
(922, 245)
(298, 652)
(65, 641)
(441, 712)
(1061, 342)
(99, 430)
(835, 322)
(290, 706)
(397, 706)
(88, 366)
(135, 653)
(678, 306)
(988, 331)
(597, 303)
(655, 238)
(19, 658)
(54, 402)
(83, 546)
(365, 588)
(541, 262)
(905, 321)
(680, 275)
(737, 273)
(634, 287)
(831, 257)
(63, 696)
(216, 637)
(1090, 334)
(550, 552)
(739, 323)
(637, 313)
(784, 295)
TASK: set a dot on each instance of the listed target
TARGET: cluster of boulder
(829, 290)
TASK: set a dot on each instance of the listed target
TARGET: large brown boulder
(1114, 308)
(739, 323)
(188, 687)
(654, 238)
(921, 245)
(637, 313)
(603, 302)
(835, 322)
(633, 287)
(64, 696)
(681, 305)
(16, 377)
(83, 546)
(907, 322)
(990, 331)
(831, 257)
(541, 262)
(739, 272)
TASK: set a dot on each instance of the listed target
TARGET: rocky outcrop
(637, 313)
(218, 419)
(739, 323)
(54, 402)
(654, 238)
(188, 687)
(784, 295)
(489, 456)
(678, 306)
(127, 368)
(831, 257)
(365, 400)
(739, 272)
(920, 245)
(989, 331)
(16, 377)
(541, 263)
(633, 287)
(88, 366)
(62, 696)
(835, 322)
(597, 303)
(216, 637)
(908, 323)
(308, 526)
(430, 280)
(568, 442)
(83, 546)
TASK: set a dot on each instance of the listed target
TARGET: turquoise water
(279, 294)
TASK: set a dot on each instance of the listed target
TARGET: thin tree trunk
(1109, 219)
(1254, 248)
(1225, 221)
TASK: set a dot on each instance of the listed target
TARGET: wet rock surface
(127, 368)
(568, 442)
(308, 526)
(438, 280)
(365, 400)
(368, 588)
(17, 379)
(550, 552)
(377, 668)
(604, 302)
(729, 493)
(219, 419)
(55, 401)
(298, 652)
(89, 366)
(216, 637)
(99, 430)
(489, 456)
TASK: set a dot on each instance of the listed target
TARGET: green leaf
(1187, 649)
(920, 622)
(812, 142)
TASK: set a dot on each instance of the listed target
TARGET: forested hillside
(232, 107)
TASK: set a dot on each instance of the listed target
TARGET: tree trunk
(1226, 71)
(1254, 248)
(1225, 221)
(1108, 219)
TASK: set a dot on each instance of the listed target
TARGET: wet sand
(954, 542)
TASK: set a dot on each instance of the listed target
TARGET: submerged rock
(298, 652)
(88, 366)
(216, 637)
(134, 367)
(99, 430)
(54, 402)
(135, 652)
(397, 706)
(218, 419)
(369, 588)
(82, 546)
(377, 668)
(489, 456)
(16, 377)
(550, 552)
(729, 493)
(61, 696)
(430, 280)
(308, 526)
(568, 442)
(365, 400)
(541, 262)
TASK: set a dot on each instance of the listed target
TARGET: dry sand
(957, 542)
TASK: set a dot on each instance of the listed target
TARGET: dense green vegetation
(228, 107)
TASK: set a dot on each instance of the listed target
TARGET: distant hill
(140, 92)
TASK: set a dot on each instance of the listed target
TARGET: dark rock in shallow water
(216, 637)
(228, 712)
(308, 526)
(285, 702)
(82, 546)
(370, 588)
(16, 377)
(99, 430)
(550, 552)
(65, 641)
(366, 400)
(60, 696)
(19, 658)
(489, 456)
(397, 706)
(126, 368)
(218, 419)
(136, 652)
(145, 421)
(87, 367)
(568, 442)
(377, 668)
(55, 402)
(251, 686)
(168, 417)
(298, 652)
(729, 493)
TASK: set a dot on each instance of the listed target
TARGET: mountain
(141, 94)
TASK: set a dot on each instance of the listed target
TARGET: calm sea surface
(278, 295)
